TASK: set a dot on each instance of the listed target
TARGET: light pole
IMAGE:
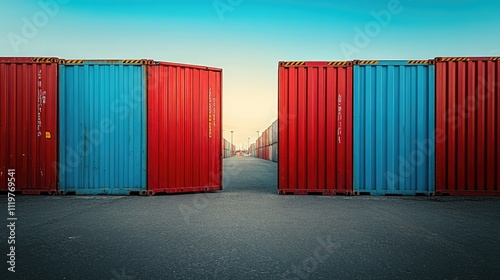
(248, 147)
(232, 152)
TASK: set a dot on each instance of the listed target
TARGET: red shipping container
(468, 126)
(184, 128)
(28, 124)
(315, 128)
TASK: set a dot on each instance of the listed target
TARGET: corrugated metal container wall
(225, 148)
(185, 120)
(315, 127)
(468, 126)
(28, 124)
(275, 152)
(270, 135)
(102, 126)
(264, 138)
(393, 127)
(275, 132)
(270, 153)
(223, 144)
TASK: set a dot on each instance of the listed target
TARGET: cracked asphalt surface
(248, 231)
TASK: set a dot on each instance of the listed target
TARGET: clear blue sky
(247, 38)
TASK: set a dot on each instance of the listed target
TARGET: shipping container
(223, 144)
(315, 128)
(225, 148)
(393, 127)
(275, 152)
(28, 124)
(270, 136)
(102, 126)
(252, 150)
(275, 132)
(185, 128)
(468, 126)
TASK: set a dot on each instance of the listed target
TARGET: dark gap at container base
(313, 192)
(442, 194)
(393, 194)
(31, 192)
(166, 192)
(425, 194)
(135, 193)
(467, 193)
(74, 193)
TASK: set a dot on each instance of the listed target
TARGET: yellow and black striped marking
(455, 59)
(134, 61)
(366, 62)
(45, 60)
(497, 58)
(421, 61)
(339, 63)
(293, 63)
(71, 61)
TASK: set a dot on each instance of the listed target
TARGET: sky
(247, 38)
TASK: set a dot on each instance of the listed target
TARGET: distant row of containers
(267, 144)
(110, 126)
(390, 127)
(227, 148)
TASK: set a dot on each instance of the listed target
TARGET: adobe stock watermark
(311, 264)
(223, 6)
(31, 26)
(364, 36)
(11, 220)
(455, 118)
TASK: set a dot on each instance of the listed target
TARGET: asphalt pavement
(248, 231)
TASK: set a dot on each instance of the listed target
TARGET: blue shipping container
(394, 125)
(102, 127)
